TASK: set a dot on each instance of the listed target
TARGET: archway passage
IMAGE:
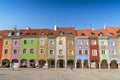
(60, 63)
(79, 64)
(15, 61)
(94, 64)
(23, 63)
(70, 63)
(104, 64)
(41, 63)
(51, 63)
(32, 63)
(5, 63)
(113, 64)
(86, 65)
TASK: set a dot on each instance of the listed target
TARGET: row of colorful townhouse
(61, 47)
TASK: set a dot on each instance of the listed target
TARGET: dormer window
(82, 34)
(118, 32)
(27, 33)
(9, 33)
(92, 33)
(50, 33)
(17, 33)
(101, 34)
(33, 33)
(70, 33)
(111, 34)
(42, 33)
(61, 32)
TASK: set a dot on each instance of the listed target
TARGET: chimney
(55, 27)
(28, 28)
(93, 28)
(104, 26)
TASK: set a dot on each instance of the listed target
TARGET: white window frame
(70, 42)
(33, 51)
(85, 42)
(8, 42)
(102, 42)
(32, 42)
(79, 42)
(16, 52)
(112, 44)
(87, 52)
(5, 50)
(15, 42)
(23, 51)
(52, 42)
(93, 42)
(49, 52)
(26, 42)
(102, 52)
(81, 52)
(115, 53)
(41, 51)
(42, 42)
(93, 52)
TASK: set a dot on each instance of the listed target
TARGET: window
(15, 51)
(32, 42)
(70, 52)
(80, 52)
(114, 52)
(86, 42)
(103, 52)
(25, 41)
(79, 42)
(6, 51)
(51, 52)
(42, 42)
(42, 51)
(17, 33)
(86, 52)
(94, 52)
(6, 42)
(15, 43)
(93, 42)
(60, 42)
(24, 51)
(70, 42)
(102, 43)
(60, 51)
(51, 42)
(112, 43)
(31, 51)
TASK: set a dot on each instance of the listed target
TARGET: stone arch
(15, 61)
(41, 63)
(51, 63)
(113, 64)
(32, 63)
(94, 64)
(104, 64)
(23, 63)
(5, 63)
(79, 64)
(70, 63)
(60, 63)
(86, 64)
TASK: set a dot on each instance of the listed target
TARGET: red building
(94, 48)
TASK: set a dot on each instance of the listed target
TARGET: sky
(64, 13)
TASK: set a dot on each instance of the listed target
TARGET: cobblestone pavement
(59, 74)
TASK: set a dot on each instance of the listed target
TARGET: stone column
(75, 64)
(55, 63)
(82, 65)
(99, 65)
(28, 64)
(89, 65)
(65, 64)
(108, 65)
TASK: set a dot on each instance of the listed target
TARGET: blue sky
(65, 13)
